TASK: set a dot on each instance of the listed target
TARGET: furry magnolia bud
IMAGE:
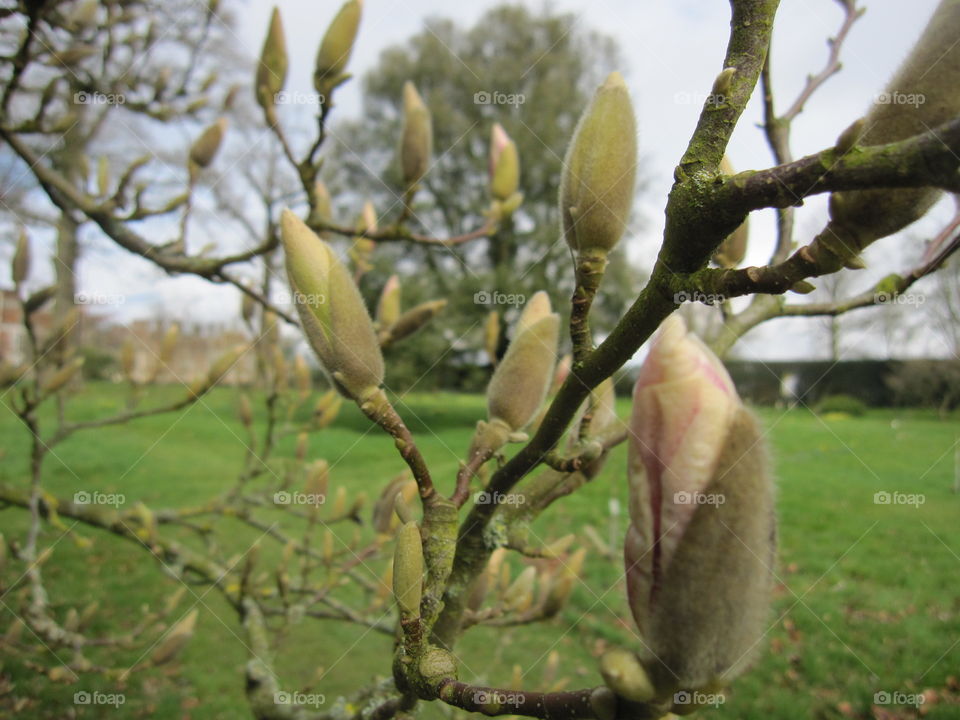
(922, 95)
(700, 547)
(522, 378)
(176, 639)
(596, 191)
(335, 49)
(416, 144)
(732, 250)
(322, 212)
(272, 69)
(408, 569)
(205, 148)
(504, 164)
(388, 308)
(332, 311)
(414, 319)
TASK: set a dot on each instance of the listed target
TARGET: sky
(672, 49)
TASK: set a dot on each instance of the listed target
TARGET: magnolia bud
(388, 309)
(384, 520)
(519, 596)
(596, 191)
(414, 319)
(205, 148)
(521, 380)
(301, 372)
(326, 409)
(21, 258)
(62, 376)
(701, 544)
(169, 343)
(732, 250)
(332, 311)
(245, 410)
(224, 364)
(561, 372)
(921, 96)
(363, 247)
(416, 143)
(623, 673)
(323, 207)
(491, 335)
(504, 164)
(272, 69)
(176, 639)
(408, 569)
(336, 47)
(562, 584)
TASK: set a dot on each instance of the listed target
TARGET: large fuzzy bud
(205, 148)
(416, 144)
(700, 547)
(412, 320)
(335, 49)
(521, 380)
(332, 311)
(272, 69)
(733, 249)
(922, 95)
(596, 190)
(21, 258)
(504, 164)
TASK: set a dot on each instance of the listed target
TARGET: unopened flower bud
(62, 376)
(416, 143)
(21, 258)
(301, 372)
(176, 639)
(245, 410)
(413, 320)
(224, 364)
(336, 47)
(388, 308)
(272, 69)
(920, 96)
(491, 335)
(504, 164)
(734, 248)
(624, 674)
(408, 569)
(205, 148)
(332, 311)
(701, 544)
(323, 207)
(596, 190)
(521, 380)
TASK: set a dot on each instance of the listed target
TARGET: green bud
(62, 376)
(176, 639)
(332, 311)
(245, 410)
(408, 569)
(624, 674)
(224, 364)
(732, 250)
(205, 148)
(504, 165)
(336, 47)
(272, 68)
(416, 143)
(413, 320)
(21, 258)
(388, 308)
(322, 212)
(596, 191)
(521, 380)
(802, 287)
(920, 96)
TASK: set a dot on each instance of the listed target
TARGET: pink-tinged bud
(699, 550)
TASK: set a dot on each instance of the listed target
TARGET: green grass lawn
(867, 599)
